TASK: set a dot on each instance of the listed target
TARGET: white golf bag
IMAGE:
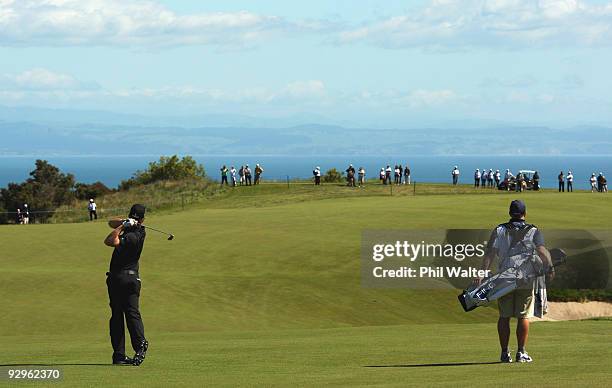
(526, 267)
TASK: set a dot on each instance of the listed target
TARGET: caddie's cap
(137, 211)
(517, 208)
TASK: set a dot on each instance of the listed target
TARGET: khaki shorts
(518, 304)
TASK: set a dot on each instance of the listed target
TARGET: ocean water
(112, 169)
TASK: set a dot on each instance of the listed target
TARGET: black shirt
(127, 254)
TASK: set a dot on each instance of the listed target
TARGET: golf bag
(527, 266)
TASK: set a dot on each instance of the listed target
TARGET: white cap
(90, 199)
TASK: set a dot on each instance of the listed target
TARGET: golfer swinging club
(123, 282)
(514, 241)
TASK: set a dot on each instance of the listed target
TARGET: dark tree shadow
(432, 365)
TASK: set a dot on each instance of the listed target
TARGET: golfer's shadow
(432, 365)
(56, 364)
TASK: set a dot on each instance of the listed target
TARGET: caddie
(514, 242)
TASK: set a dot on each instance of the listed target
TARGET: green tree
(45, 190)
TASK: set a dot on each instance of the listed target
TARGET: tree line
(48, 187)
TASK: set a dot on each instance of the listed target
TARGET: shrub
(168, 168)
(333, 175)
(94, 190)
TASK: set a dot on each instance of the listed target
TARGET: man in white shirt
(92, 207)
(455, 174)
(317, 175)
(233, 175)
(570, 181)
(593, 181)
(477, 178)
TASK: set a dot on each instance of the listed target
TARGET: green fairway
(565, 354)
(262, 287)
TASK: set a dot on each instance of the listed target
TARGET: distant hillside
(25, 137)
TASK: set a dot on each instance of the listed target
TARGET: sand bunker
(567, 311)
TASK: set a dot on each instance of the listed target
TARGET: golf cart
(528, 182)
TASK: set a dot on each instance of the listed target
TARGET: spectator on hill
(477, 178)
(388, 174)
(361, 173)
(561, 179)
(593, 181)
(247, 175)
(483, 178)
(490, 178)
(241, 175)
(570, 181)
(604, 183)
(397, 174)
(520, 182)
(19, 217)
(536, 181)
(406, 175)
(26, 214)
(383, 176)
(350, 176)
(258, 171)
(455, 175)
(233, 175)
(92, 210)
(497, 177)
(317, 176)
(224, 175)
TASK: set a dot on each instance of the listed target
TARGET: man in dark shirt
(123, 283)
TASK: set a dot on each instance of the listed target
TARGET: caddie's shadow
(432, 365)
(57, 364)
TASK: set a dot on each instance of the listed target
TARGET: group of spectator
(350, 176)
(482, 178)
(244, 175)
(401, 175)
(488, 178)
(599, 183)
(22, 216)
(357, 177)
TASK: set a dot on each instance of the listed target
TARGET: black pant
(247, 180)
(570, 186)
(93, 215)
(561, 186)
(476, 182)
(123, 292)
(317, 180)
(224, 179)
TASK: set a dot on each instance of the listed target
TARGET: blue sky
(368, 63)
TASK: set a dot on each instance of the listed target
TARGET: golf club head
(171, 237)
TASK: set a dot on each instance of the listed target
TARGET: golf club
(170, 235)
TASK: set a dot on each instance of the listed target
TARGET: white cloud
(124, 22)
(452, 24)
(40, 79)
(312, 88)
(420, 98)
